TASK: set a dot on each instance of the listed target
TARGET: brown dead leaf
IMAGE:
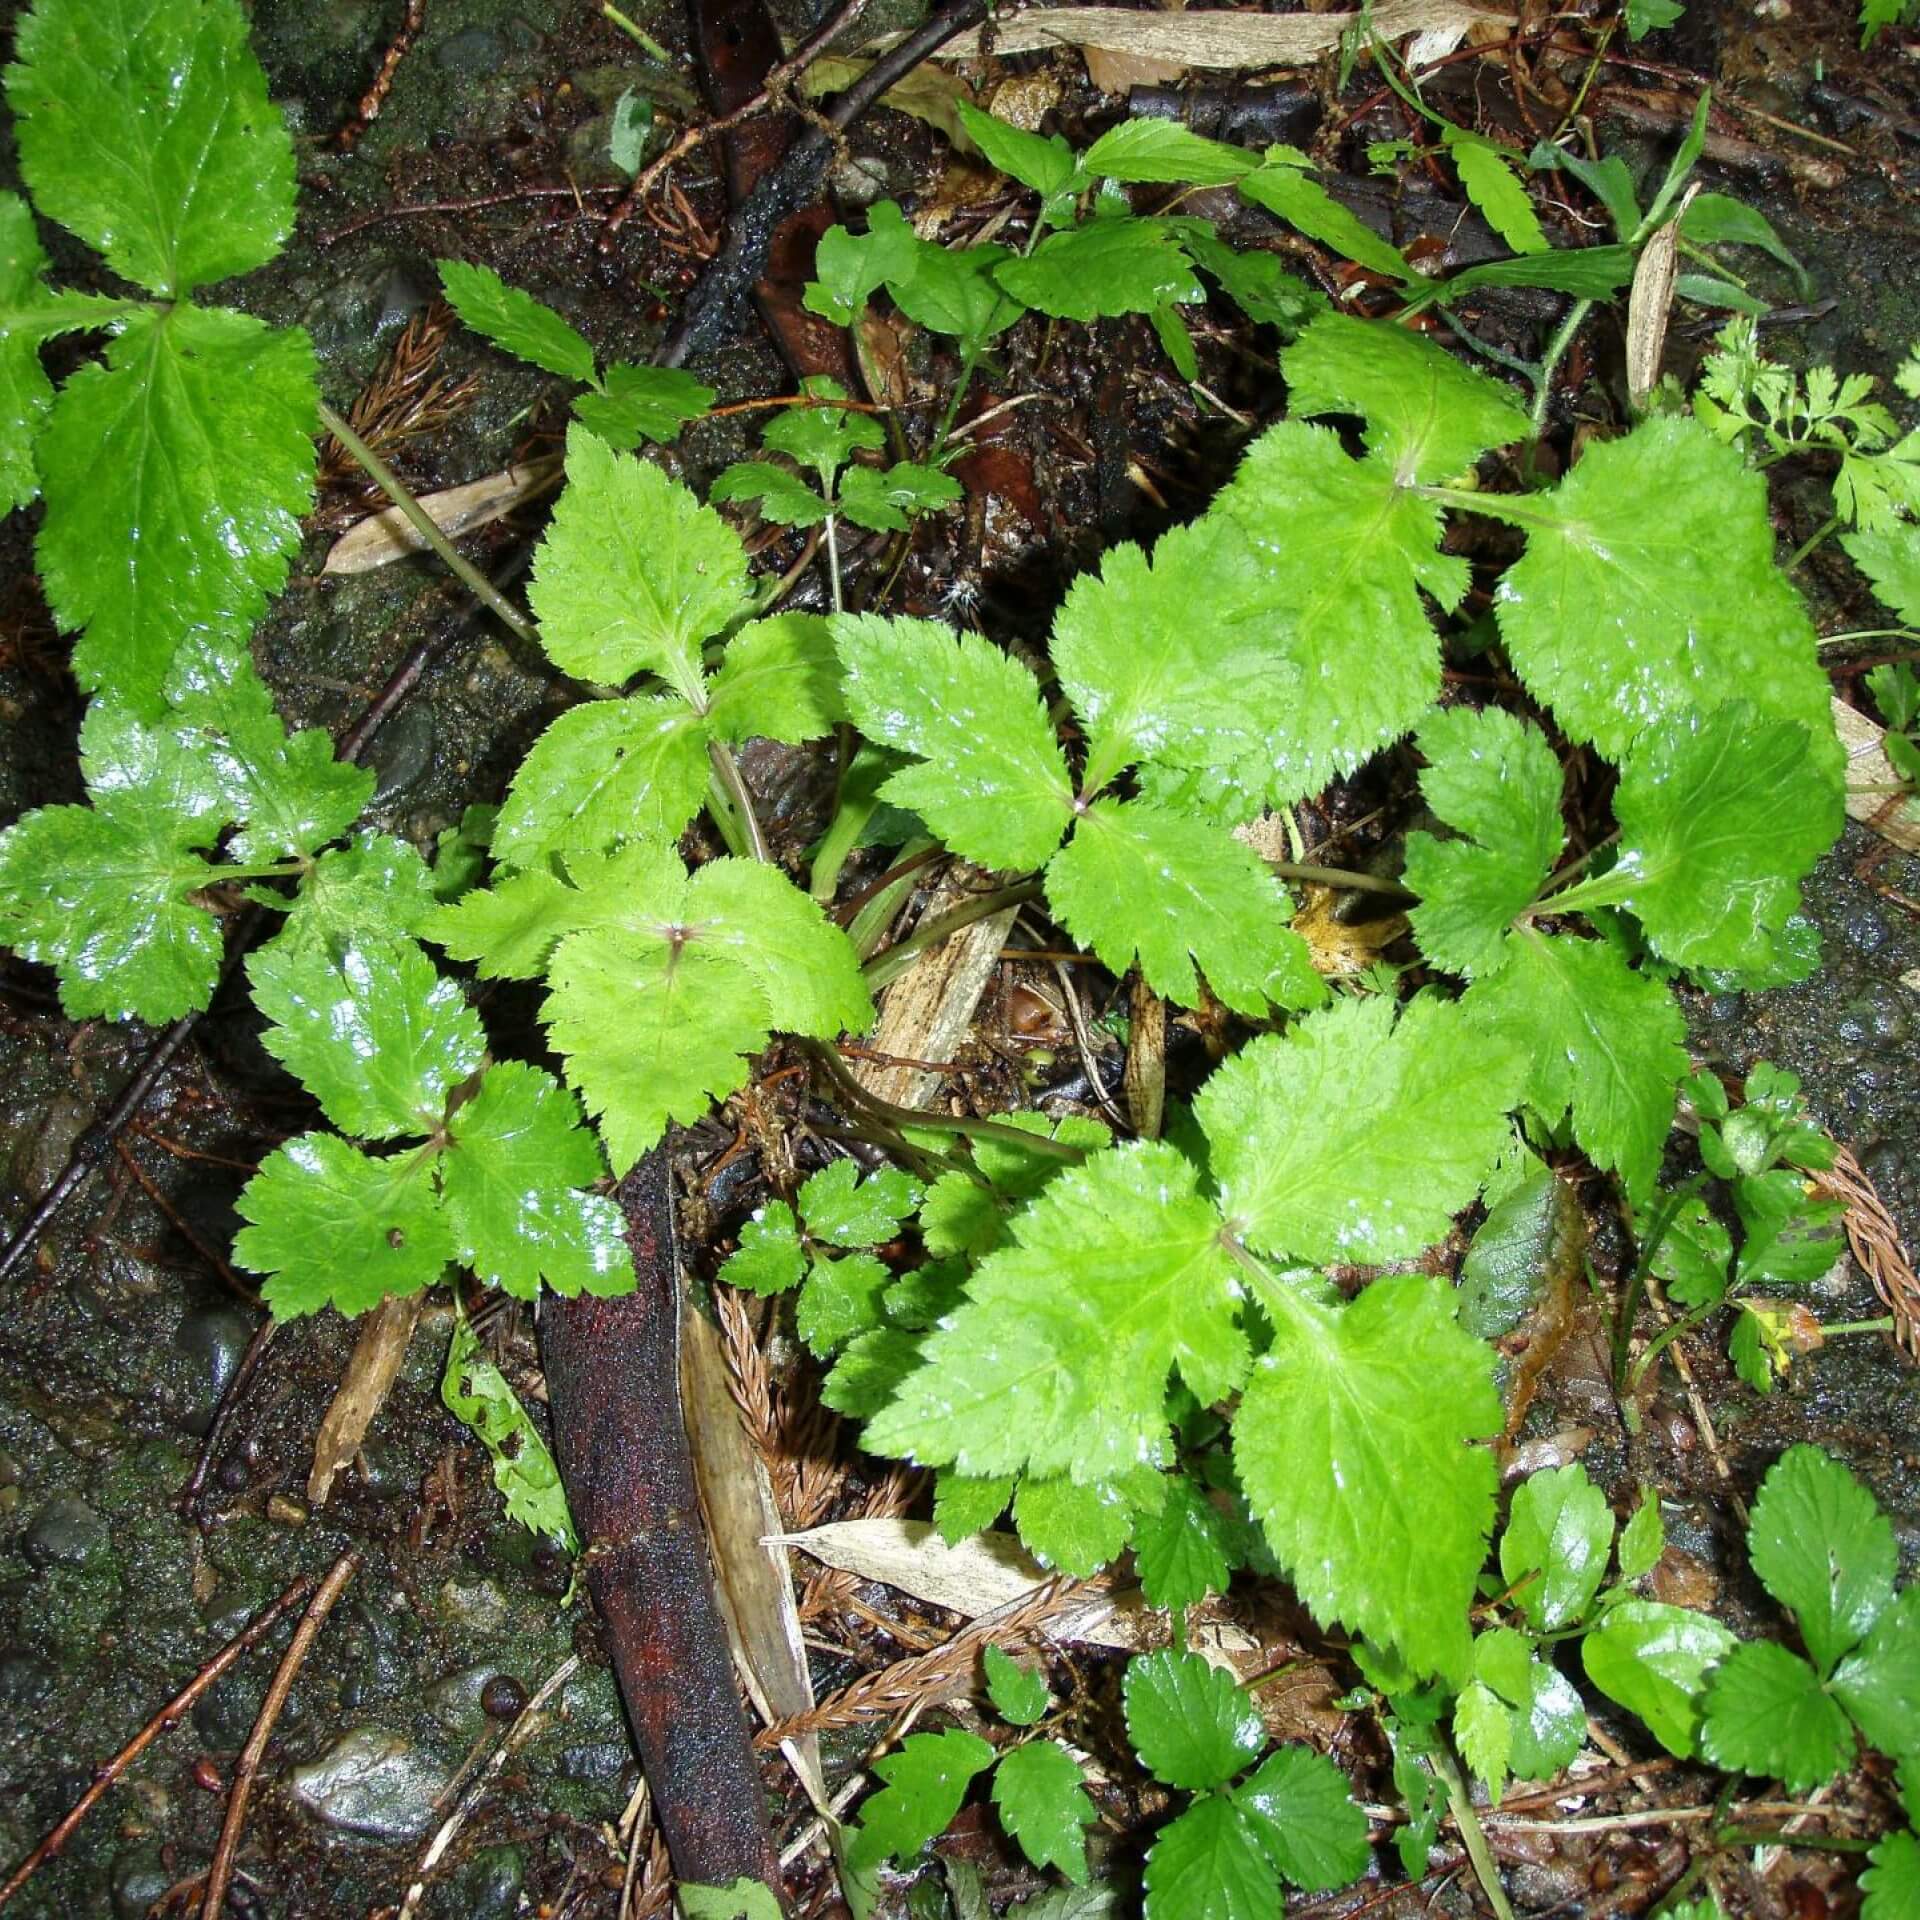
(389, 535)
(1873, 796)
(1336, 947)
(384, 1338)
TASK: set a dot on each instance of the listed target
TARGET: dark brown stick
(168, 1717)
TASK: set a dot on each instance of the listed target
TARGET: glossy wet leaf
(1653, 1659)
(1073, 1528)
(1353, 1445)
(1209, 1865)
(1137, 882)
(372, 1032)
(1163, 152)
(1038, 1794)
(1043, 162)
(642, 403)
(841, 1298)
(1304, 1815)
(1301, 201)
(955, 290)
(1019, 1694)
(634, 574)
(780, 680)
(1891, 1882)
(1823, 1549)
(853, 266)
(1528, 1246)
(332, 1226)
(823, 437)
(769, 1258)
(377, 888)
(1102, 269)
(1879, 1682)
(1180, 1552)
(476, 1393)
(889, 500)
(844, 1209)
(1191, 1724)
(175, 476)
(1554, 1551)
(1767, 1713)
(513, 1185)
(515, 321)
(1643, 1539)
(144, 127)
(925, 1783)
(1419, 1102)
(990, 779)
(777, 493)
(1483, 1732)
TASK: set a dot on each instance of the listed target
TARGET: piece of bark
(384, 1338)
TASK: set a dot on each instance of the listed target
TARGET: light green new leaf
(960, 1216)
(331, 1226)
(515, 321)
(1191, 1724)
(377, 888)
(1599, 1039)
(1072, 1528)
(1304, 203)
(769, 1258)
(888, 501)
(1722, 815)
(512, 1185)
(144, 126)
(1643, 1539)
(1549, 1724)
(1653, 1660)
(1181, 1551)
(476, 1393)
(372, 1032)
(841, 1299)
(1303, 1813)
(1879, 1682)
(604, 772)
(1767, 1713)
(844, 1210)
(785, 498)
(1209, 1865)
(1890, 558)
(1347, 552)
(510, 929)
(1649, 586)
(1428, 417)
(1163, 152)
(992, 782)
(1058, 1360)
(1822, 1548)
(1492, 777)
(1356, 1137)
(869, 1371)
(1555, 1548)
(1494, 186)
(1138, 881)
(634, 573)
(954, 290)
(821, 435)
(741, 1899)
(1352, 1445)
(1891, 1882)
(175, 478)
(1483, 1731)
(642, 403)
(1102, 269)
(852, 266)
(780, 680)
(163, 767)
(1043, 162)
(1019, 1694)
(925, 1783)
(1037, 1791)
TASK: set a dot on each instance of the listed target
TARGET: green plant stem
(1807, 546)
(947, 419)
(1550, 363)
(1867, 633)
(637, 34)
(1471, 1832)
(1668, 1335)
(390, 483)
(891, 964)
(738, 823)
(1838, 1329)
(1637, 1280)
(1339, 877)
(1571, 871)
(833, 561)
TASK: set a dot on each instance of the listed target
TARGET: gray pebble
(472, 51)
(488, 1886)
(26, 1678)
(68, 1533)
(371, 1783)
(138, 1881)
(600, 1760)
(213, 1339)
(401, 753)
(455, 1700)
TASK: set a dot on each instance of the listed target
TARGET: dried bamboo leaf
(377, 1354)
(387, 536)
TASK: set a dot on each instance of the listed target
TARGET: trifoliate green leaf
(289, 789)
(1427, 416)
(1653, 1660)
(1549, 1724)
(1483, 1731)
(1181, 1551)
(964, 1504)
(103, 895)
(780, 680)
(853, 266)
(1879, 1682)
(1823, 1549)
(1420, 1102)
(1555, 1549)
(1104, 268)
(515, 321)
(1352, 1445)
(372, 1032)
(1648, 587)
(1693, 1257)
(1493, 778)
(823, 436)
(1209, 1864)
(189, 455)
(642, 403)
(769, 1258)
(144, 126)
(1347, 552)
(1046, 164)
(1722, 815)
(889, 500)
(841, 1298)
(1073, 1528)
(956, 290)
(1767, 1713)
(604, 772)
(1490, 177)
(991, 781)
(1037, 1790)
(634, 573)
(1137, 881)
(1791, 1238)
(1304, 203)
(1890, 558)
(844, 1210)
(1190, 1723)
(512, 1188)
(1601, 1040)
(1058, 1361)
(332, 1226)
(1019, 1694)
(925, 1783)
(476, 1393)
(778, 495)
(1891, 1882)
(1643, 1539)
(377, 888)
(1163, 152)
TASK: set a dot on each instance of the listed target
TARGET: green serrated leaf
(513, 1187)
(1019, 1694)
(823, 436)
(1058, 1361)
(372, 1032)
(1209, 1865)
(1046, 164)
(1555, 1548)
(377, 888)
(955, 290)
(778, 495)
(1823, 1549)
(853, 266)
(1483, 1732)
(1767, 1713)
(869, 1371)
(515, 321)
(1137, 881)
(1493, 778)
(780, 680)
(743, 1899)
(1305, 204)
(1191, 1724)
(769, 1258)
(1102, 269)
(925, 1783)
(1420, 1102)
(1890, 558)
(1643, 1539)
(634, 574)
(1163, 152)
(1302, 1812)
(1077, 1529)
(1879, 1682)
(1352, 1445)
(1653, 1660)
(603, 772)
(642, 403)
(841, 1298)
(991, 781)
(476, 1393)
(331, 1226)
(889, 501)
(844, 1210)
(1891, 1882)
(1037, 1790)
(1492, 182)
(189, 454)
(1180, 1552)
(964, 1504)
(144, 126)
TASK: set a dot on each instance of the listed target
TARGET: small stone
(371, 1783)
(138, 1881)
(401, 753)
(26, 1678)
(488, 1886)
(213, 1339)
(473, 51)
(476, 1606)
(68, 1533)
(456, 1701)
